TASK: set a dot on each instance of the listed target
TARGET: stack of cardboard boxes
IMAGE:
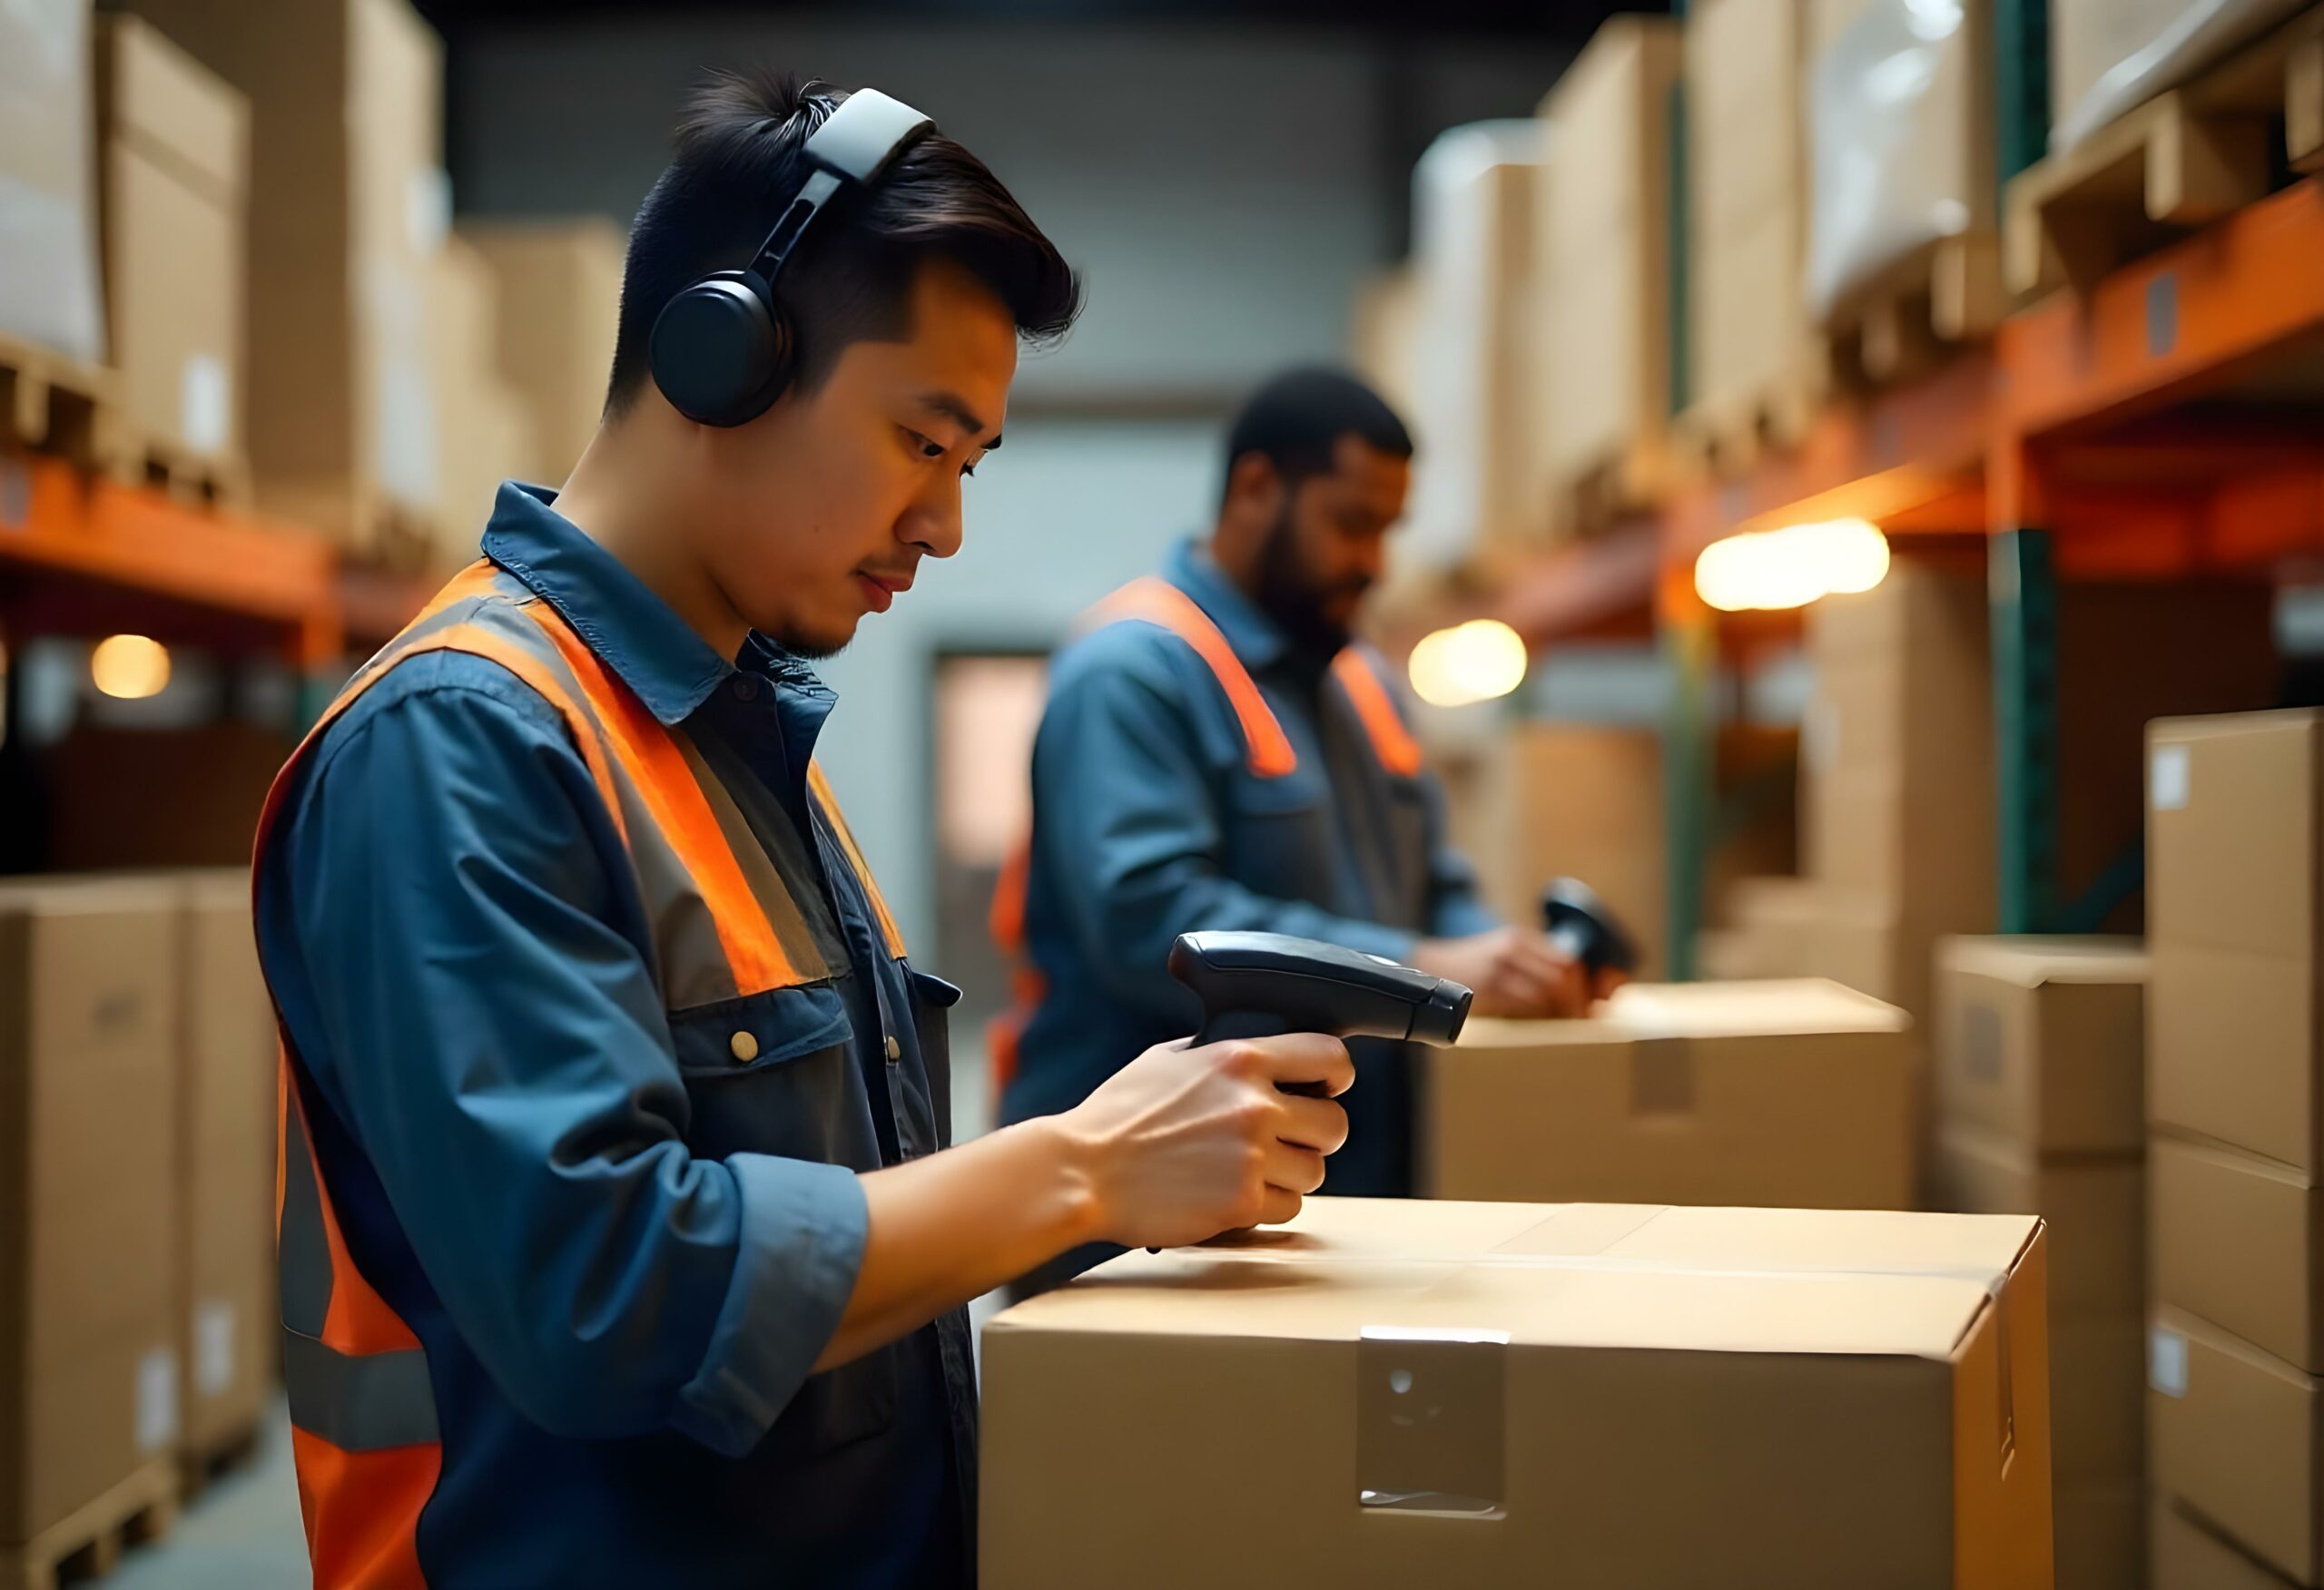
(2040, 1052)
(2236, 1102)
(1781, 1093)
(137, 1322)
(1492, 1394)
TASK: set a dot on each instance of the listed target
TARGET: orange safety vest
(1266, 749)
(365, 1435)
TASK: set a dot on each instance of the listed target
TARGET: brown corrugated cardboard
(1605, 248)
(347, 203)
(2189, 1555)
(175, 171)
(1791, 1094)
(2239, 1240)
(226, 1101)
(87, 1370)
(559, 308)
(487, 435)
(2107, 57)
(1748, 197)
(2102, 1532)
(48, 229)
(1833, 1400)
(1862, 944)
(2095, 1209)
(2233, 869)
(2238, 1434)
(2097, 1397)
(2043, 1039)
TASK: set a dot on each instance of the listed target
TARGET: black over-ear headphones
(723, 349)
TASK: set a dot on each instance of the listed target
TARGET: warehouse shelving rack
(2167, 424)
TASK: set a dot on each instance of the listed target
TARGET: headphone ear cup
(716, 350)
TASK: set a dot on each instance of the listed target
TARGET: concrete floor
(242, 1534)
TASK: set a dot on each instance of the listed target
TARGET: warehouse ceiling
(1570, 21)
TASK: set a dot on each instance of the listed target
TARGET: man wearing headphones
(622, 1239)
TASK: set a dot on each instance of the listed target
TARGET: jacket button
(746, 1048)
(895, 1050)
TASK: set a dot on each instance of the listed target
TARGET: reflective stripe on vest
(724, 926)
(1268, 750)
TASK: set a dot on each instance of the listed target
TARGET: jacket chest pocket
(1279, 836)
(774, 1074)
(932, 1000)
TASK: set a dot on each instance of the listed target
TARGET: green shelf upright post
(2022, 595)
(1690, 651)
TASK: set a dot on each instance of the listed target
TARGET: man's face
(1329, 541)
(821, 510)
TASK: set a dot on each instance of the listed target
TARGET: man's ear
(1254, 486)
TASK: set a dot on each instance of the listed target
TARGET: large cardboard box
(1457, 1395)
(175, 179)
(2097, 1397)
(2107, 57)
(1795, 1093)
(1863, 942)
(2240, 1435)
(2239, 1240)
(2189, 1555)
(2095, 1209)
(2236, 874)
(227, 1316)
(88, 1369)
(2044, 1040)
(559, 311)
(1748, 200)
(488, 434)
(1604, 351)
(48, 224)
(1586, 803)
(1479, 485)
(348, 203)
(2101, 1532)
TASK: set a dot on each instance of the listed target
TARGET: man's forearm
(957, 1224)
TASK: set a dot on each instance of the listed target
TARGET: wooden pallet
(187, 475)
(1720, 438)
(55, 403)
(1631, 482)
(1912, 314)
(2180, 160)
(87, 1543)
(201, 1465)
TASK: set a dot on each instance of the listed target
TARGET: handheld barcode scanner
(1257, 985)
(1580, 924)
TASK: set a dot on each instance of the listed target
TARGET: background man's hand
(1183, 1143)
(1515, 971)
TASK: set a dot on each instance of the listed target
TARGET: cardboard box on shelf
(88, 1157)
(1782, 1093)
(2044, 1040)
(175, 183)
(1480, 485)
(2102, 1532)
(488, 434)
(2238, 1435)
(1862, 943)
(2236, 875)
(2188, 1554)
(1811, 1399)
(348, 202)
(1384, 334)
(559, 310)
(2107, 57)
(1587, 802)
(1747, 193)
(1774, 917)
(227, 1315)
(48, 228)
(2095, 1209)
(2239, 1240)
(1605, 248)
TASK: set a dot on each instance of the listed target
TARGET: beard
(1298, 603)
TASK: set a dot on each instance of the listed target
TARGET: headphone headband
(855, 144)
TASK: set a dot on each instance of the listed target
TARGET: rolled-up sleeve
(489, 1031)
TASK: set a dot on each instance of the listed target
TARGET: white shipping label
(2166, 778)
(205, 403)
(2166, 1361)
(428, 212)
(157, 1400)
(213, 1346)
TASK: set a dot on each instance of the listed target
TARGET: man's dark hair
(737, 164)
(1298, 417)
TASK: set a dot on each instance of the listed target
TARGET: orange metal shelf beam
(53, 517)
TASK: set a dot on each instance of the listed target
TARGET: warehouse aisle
(241, 1535)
